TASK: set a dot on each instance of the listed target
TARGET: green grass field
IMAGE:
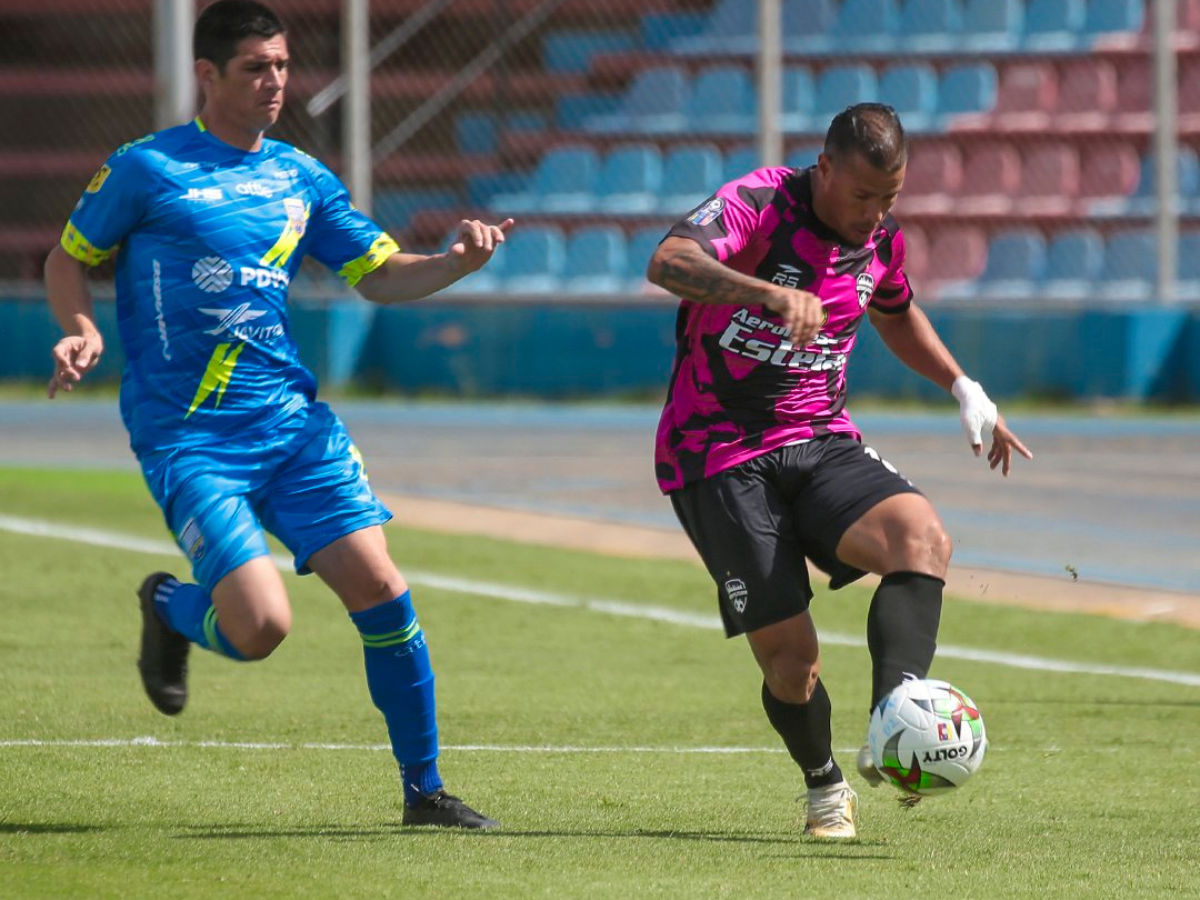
(577, 727)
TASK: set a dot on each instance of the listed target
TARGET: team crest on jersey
(865, 287)
(297, 214)
(98, 179)
(708, 213)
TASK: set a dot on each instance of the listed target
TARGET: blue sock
(189, 609)
(401, 683)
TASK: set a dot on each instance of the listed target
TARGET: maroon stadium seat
(1049, 179)
(934, 176)
(991, 175)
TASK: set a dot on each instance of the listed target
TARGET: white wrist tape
(976, 411)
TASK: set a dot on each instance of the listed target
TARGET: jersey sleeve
(724, 223)
(342, 238)
(111, 206)
(893, 294)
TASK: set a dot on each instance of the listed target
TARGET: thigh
(320, 493)
(208, 510)
(902, 533)
(359, 569)
(848, 479)
(742, 527)
(252, 604)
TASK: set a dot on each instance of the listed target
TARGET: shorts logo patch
(865, 287)
(735, 590)
(191, 541)
(708, 213)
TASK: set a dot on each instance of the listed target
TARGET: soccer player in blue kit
(208, 223)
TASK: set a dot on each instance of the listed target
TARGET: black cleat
(445, 811)
(163, 659)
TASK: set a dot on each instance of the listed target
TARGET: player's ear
(206, 71)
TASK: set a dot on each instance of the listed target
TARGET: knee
(928, 549)
(792, 679)
(263, 636)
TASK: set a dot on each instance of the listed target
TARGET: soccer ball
(927, 737)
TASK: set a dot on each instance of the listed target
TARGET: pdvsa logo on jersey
(708, 213)
(865, 287)
(212, 274)
(735, 590)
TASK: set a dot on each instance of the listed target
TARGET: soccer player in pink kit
(757, 452)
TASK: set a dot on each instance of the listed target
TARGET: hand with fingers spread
(801, 312)
(74, 356)
(476, 242)
(1004, 442)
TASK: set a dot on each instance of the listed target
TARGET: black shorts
(755, 524)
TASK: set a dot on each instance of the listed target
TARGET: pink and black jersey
(740, 388)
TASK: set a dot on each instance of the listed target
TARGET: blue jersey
(207, 238)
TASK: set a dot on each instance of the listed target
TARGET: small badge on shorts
(708, 213)
(735, 590)
(191, 541)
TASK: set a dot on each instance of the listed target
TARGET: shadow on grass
(47, 828)
(337, 832)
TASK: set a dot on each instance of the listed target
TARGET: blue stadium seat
(1144, 200)
(595, 261)
(638, 250)
(738, 162)
(533, 260)
(573, 110)
(866, 26)
(912, 89)
(1107, 16)
(1130, 266)
(571, 50)
(483, 186)
(799, 89)
(732, 28)
(929, 26)
(1188, 284)
(653, 104)
(1016, 263)
(993, 26)
(659, 29)
(691, 173)
(476, 133)
(1053, 25)
(563, 182)
(394, 209)
(1074, 260)
(966, 88)
(808, 26)
(803, 156)
(723, 101)
(630, 179)
(842, 86)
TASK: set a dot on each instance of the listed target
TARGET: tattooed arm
(680, 266)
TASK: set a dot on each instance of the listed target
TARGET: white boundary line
(118, 541)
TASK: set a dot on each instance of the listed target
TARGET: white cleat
(866, 767)
(832, 811)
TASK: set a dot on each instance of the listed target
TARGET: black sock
(902, 629)
(804, 728)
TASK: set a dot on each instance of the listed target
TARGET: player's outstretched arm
(680, 266)
(411, 276)
(78, 352)
(911, 337)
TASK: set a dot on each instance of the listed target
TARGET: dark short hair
(225, 23)
(873, 131)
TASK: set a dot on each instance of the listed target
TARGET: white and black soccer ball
(927, 737)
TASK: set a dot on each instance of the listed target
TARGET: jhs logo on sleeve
(708, 213)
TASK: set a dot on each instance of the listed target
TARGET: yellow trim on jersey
(81, 248)
(289, 238)
(217, 374)
(200, 124)
(354, 271)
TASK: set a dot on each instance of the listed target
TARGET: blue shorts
(307, 490)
